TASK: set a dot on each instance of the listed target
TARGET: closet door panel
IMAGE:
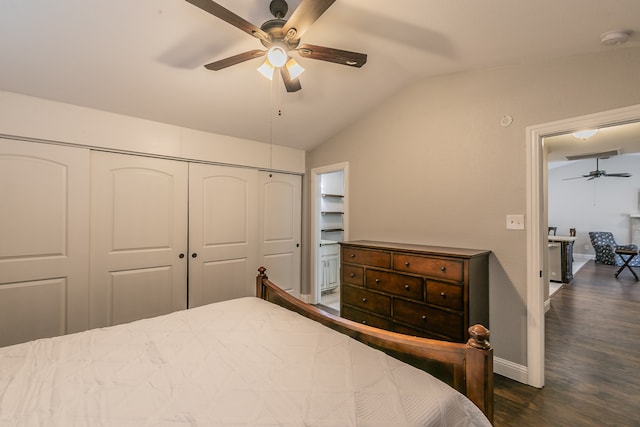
(222, 233)
(139, 230)
(219, 277)
(154, 283)
(33, 309)
(44, 240)
(280, 228)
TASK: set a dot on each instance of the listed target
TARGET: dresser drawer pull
(424, 318)
(406, 287)
(352, 275)
(353, 256)
(364, 322)
(443, 295)
(364, 300)
(406, 263)
(443, 269)
(377, 280)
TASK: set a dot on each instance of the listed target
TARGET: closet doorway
(329, 228)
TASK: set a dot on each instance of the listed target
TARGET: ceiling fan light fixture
(277, 56)
(585, 134)
(266, 69)
(294, 69)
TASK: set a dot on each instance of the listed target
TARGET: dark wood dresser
(427, 291)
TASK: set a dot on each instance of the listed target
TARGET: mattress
(244, 362)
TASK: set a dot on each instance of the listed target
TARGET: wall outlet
(515, 222)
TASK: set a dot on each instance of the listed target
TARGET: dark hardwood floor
(592, 357)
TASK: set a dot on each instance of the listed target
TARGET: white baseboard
(583, 257)
(510, 370)
(305, 298)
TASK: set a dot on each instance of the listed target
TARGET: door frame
(537, 218)
(315, 195)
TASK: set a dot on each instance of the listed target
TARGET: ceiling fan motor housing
(273, 28)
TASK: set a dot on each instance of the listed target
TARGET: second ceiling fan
(280, 37)
(598, 173)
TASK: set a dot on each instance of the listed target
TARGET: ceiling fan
(598, 173)
(280, 37)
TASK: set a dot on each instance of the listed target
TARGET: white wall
(28, 117)
(602, 204)
(433, 165)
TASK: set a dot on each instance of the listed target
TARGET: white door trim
(537, 216)
(315, 221)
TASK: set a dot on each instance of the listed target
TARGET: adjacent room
(406, 173)
(593, 187)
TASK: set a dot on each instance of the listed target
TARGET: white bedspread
(244, 362)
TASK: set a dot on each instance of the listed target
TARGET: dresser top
(422, 249)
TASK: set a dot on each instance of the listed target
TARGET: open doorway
(592, 185)
(329, 221)
(537, 222)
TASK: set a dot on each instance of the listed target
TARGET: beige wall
(433, 165)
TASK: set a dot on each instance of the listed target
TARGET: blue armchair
(605, 246)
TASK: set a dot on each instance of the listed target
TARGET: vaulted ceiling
(145, 58)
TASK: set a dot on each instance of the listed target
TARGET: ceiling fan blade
(344, 57)
(292, 85)
(235, 59)
(307, 12)
(575, 177)
(226, 15)
(621, 175)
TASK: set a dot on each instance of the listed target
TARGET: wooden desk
(629, 254)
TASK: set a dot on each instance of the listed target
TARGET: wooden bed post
(261, 290)
(479, 369)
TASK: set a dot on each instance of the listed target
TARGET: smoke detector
(615, 37)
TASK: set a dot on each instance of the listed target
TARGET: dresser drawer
(449, 269)
(445, 295)
(366, 257)
(353, 274)
(441, 322)
(366, 300)
(397, 284)
(365, 318)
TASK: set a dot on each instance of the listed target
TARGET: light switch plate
(515, 222)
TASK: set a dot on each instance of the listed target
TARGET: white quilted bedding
(244, 362)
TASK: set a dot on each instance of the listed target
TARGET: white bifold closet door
(44, 240)
(139, 237)
(92, 238)
(223, 223)
(280, 229)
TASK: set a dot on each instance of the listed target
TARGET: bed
(251, 361)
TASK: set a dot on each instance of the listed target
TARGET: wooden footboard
(470, 364)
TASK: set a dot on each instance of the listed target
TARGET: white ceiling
(144, 58)
(624, 138)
